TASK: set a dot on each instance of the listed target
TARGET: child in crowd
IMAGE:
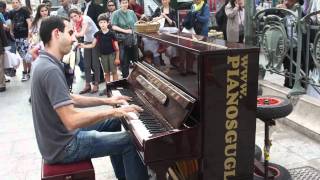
(148, 57)
(108, 48)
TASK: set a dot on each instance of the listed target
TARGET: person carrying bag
(123, 21)
(129, 40)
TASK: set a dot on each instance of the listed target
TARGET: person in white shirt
(84, 26)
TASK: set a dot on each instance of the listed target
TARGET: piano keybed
(146, 122)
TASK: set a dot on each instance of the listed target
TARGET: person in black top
(92, 10)
(166, 12)
(108, 48)
(21, 24)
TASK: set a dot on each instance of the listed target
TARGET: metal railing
(283, 33)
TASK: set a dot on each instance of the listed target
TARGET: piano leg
(161, 169)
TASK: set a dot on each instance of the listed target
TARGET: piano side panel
(173, 146)
(228, 114)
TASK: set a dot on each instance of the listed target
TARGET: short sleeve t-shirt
(105, 42)
(124, 20)
(91, 29)
(49, 91)
(19, 22)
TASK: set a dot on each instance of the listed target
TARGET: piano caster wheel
(273, 107)
(278, 172)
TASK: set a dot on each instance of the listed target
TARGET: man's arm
(89, 46)
(84, 101)
(74, 119)
(29, 22)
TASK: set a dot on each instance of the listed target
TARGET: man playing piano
(64, 133)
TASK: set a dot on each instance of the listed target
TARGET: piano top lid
(198, 44)
(171, 102)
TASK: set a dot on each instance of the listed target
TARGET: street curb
(305, 117)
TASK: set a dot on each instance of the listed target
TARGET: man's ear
(55, 34)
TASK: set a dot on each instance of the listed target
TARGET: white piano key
(139, 127)
(134, 120)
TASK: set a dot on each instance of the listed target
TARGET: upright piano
(204, 118)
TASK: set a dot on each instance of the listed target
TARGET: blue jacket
(203, 16)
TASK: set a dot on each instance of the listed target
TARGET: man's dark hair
(148, 54)
(103, 17)
(48, 25)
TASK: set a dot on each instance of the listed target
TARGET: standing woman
(42, 12)
(201, 14)
(122, 21)
(166, 12)
(85, 27)
(235, 25)
(3, 43)
(111, 7)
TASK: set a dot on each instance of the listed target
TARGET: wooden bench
(73, 171)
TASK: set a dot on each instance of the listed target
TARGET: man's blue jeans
(107, 139)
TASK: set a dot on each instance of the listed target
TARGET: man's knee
(116, 124)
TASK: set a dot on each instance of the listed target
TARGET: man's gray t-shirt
(49, 91)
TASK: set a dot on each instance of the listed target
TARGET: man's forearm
(75, 119)
(88, 118)
(84, 101)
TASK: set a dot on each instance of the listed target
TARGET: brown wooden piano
(196, 125)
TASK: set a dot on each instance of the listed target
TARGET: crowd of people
(84, 18)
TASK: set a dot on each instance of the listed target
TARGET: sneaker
(25, 77)
(2, 89)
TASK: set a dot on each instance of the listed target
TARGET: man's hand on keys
(130, 112)
(117, 100)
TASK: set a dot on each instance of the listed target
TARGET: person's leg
(124, 61)
(106, 139)
(112, 68)
(87, 70)
(19, 49)
(96, 69)
(115, 75)
(13, 46)
(286, 66)
(124, 157)
(23, 53)
(81, 61)
(2, 77)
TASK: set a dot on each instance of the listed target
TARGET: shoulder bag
(129, 40)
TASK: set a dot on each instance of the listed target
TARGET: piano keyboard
(145, 124)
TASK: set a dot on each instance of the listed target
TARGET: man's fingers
(137, 108)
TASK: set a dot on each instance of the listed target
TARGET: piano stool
(73, 171)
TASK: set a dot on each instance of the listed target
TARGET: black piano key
(152, 125)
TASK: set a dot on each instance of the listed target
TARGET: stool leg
(267, 146)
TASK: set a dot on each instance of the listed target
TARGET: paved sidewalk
(20, 158)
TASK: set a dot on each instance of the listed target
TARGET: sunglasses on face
(110, 5)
